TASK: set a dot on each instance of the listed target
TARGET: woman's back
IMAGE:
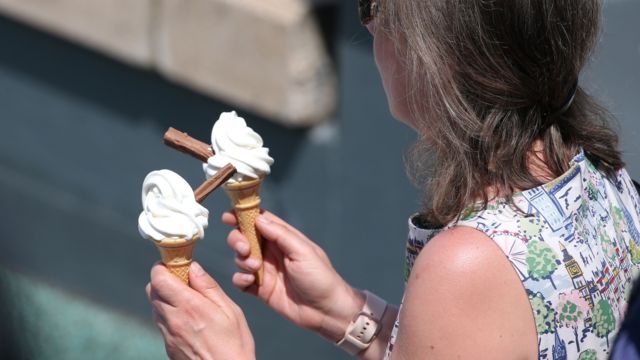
(575, 245)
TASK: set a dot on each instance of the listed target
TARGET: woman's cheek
(394, 78)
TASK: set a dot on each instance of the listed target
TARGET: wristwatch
(365, 326)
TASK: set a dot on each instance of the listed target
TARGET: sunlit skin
(463, 299)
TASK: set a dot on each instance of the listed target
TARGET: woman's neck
(537, 163)
(537, 166)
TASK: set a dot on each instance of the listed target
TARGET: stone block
(120, 28)
(267, 56)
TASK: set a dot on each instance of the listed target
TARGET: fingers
(229, 218)
(303, 238)
(245, 283)
(233, 240)
(238, 243)
(271, 216)
(243, 280)
(160, 322)
(290, 242)
(160, 306)
(167, 287)
(248, 264)
(203, 283)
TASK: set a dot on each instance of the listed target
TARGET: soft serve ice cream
(170, 211)
(235, 143)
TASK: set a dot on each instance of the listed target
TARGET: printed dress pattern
(575, 245)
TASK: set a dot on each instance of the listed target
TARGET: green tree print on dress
(530, 227)
(618, 217)
(592, 191)
(541, 261)
(604, 321)
(572, 309)
(607, 245)
(543, 314)
(588, 355)
(618, 221)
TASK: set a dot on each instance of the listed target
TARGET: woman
(540, 237)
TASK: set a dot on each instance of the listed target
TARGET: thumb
(203, 283)
(289, 242)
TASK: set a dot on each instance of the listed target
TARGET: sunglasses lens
(364, 8)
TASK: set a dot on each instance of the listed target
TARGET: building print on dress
(603, 314)
(580, 283)
(559, 349)
(608, 284)
(586, 288)
(633, 231)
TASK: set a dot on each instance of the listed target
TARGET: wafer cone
(245, 198)
(177, 256)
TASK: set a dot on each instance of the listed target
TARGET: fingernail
(248, 277)
(196, 269)
(253, 263)
(263, 219)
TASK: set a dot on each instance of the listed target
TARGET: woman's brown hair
(483, 75)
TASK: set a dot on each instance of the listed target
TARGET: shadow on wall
(10, 348)
(136, 95)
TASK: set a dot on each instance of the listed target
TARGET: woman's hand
(299, 282)
(198, 322)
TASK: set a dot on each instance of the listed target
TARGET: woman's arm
(464, 300)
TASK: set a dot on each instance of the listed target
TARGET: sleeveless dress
(575, 245)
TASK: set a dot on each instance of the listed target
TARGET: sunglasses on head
(368, 9)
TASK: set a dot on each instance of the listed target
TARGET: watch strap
(365, 325)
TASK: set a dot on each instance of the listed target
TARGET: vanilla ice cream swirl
(235, 143)
(170, 210)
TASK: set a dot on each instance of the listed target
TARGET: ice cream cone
(245, 198)
(177, 256)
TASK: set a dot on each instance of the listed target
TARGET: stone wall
(266, 56)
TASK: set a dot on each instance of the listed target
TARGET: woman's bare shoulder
(464, 299)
